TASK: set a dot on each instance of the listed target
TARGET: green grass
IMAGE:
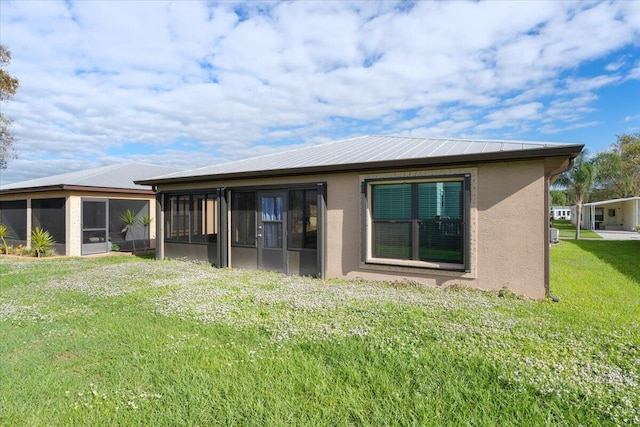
(131, 341)
(568, 230)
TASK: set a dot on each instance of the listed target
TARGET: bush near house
(41, 242)
(130, 341)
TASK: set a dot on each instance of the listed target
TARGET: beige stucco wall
(74, 225)
(512, 232)
(508, 228)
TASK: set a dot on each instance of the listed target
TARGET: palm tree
(580, 180)
(129, 219)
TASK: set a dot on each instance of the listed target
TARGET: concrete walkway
(618, 235)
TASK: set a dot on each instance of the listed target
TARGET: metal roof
(372, 152)
(120, 176)
(607, 202)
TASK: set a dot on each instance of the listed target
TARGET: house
(82, 210)
(616, 214)
(561, 212)
(438, 212)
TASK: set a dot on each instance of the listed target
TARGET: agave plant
(129, 219)
(4, 233)
(41, 241)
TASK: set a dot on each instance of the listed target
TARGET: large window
(303, 219)
(13, 215)
(192, 218)
(243, 218)
(49, 214)
(420, 223)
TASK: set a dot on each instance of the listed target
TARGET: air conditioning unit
(554, 235)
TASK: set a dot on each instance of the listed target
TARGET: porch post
(223, 229)
(159, 226)
(322, 230)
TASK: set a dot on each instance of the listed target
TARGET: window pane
(272, 235)
(272, 208)
(179, 218)
(95, 236)
(212, 214)
(49, 214)
(303, 219)
(452, 199)
(392, 240)
(243, 218)
(311, 219)
(440, 200)
(94, 214)
(198, 212)
(392, 201)
(296, 218)
(441, 241)
(204, 218)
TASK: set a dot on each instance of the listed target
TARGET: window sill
(440, 269)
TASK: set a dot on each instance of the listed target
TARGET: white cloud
(634, 74)
(98, 76)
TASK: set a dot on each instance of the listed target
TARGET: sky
(190, 84)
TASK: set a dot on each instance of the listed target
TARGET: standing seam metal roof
(120, 176)
(362, 150)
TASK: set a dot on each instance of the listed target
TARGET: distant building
(82, 210)
(617, 214)
(561, 212)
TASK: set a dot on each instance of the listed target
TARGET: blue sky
(190, 84)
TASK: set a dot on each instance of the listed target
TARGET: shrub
(4, 232)
(41, 241)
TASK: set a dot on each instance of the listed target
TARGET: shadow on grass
(623, 255)
(145, 255)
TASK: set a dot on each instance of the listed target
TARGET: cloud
(634, 74)
(241, 78)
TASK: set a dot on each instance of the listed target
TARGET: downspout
(547, 273)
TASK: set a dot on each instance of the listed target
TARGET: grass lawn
(568, 230)
(120, 340)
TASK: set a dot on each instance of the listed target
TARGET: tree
(8, 87)
(579, 180)
(628, 148)
(558, 197)
(618, 170)
(609, 181)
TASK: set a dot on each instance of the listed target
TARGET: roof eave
(82, 188)
(562, 151)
